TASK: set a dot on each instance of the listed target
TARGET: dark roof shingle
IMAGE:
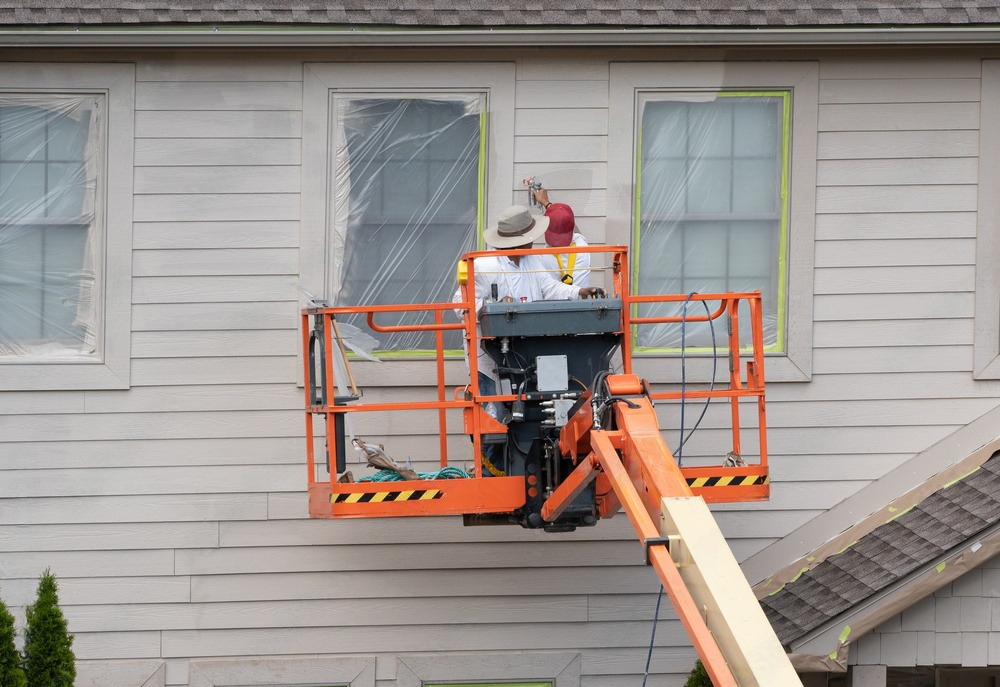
(510, 13)
(943, 520)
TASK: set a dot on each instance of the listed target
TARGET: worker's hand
(541, 196)
(592, 292)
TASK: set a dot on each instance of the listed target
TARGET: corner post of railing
(468, 292)
(757, 318)
(442, 413)
(733, 323)
(620, 282)
(307, 377)
(330, 389)
(757, 335)
(735, 383)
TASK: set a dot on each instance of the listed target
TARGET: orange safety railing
(325, 411)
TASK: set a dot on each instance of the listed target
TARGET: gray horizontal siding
(957, 624)
(174, 512)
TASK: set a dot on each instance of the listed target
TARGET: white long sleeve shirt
(529, 281)
(581, 266)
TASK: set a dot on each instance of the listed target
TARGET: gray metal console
(549, 318)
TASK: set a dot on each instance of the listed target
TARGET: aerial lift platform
(580, 442)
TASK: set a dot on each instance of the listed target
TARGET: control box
(549, 318)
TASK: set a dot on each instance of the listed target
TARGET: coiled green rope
(393, 476)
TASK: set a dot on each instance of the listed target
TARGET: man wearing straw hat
(515, 278)
(523, 277)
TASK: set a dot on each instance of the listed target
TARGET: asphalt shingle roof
(509, 13)
(945, 519)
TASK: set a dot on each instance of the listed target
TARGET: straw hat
(515, 227)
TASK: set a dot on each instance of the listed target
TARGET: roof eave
(247, 35)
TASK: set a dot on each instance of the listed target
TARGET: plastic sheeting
(711, 208)
(405, 204)
(49, 166)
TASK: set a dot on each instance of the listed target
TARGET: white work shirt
(528, 281)
(581, 267)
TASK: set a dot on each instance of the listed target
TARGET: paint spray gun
(533, 184)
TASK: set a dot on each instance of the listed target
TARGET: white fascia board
(309, 35)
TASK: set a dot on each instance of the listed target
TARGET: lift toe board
(416, 497)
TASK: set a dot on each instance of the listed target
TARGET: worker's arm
(554, 290)
(481, 287)
(484, 280)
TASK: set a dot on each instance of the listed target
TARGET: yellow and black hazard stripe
(727, 481)
(388, 496)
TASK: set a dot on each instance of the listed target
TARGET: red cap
(562, 224)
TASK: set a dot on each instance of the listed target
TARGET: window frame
(562, 669)
(123, 673)
(628, 80)
(321, 81)
(502, 683)
(291, 671)
(110, 369)
(337, 220)
(782, 186)
(986, 328)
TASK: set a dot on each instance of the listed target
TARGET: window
(405, 202)
(710, 150)
(401, 177)
(65, 240)
(712, 179)
(986, 348)
(50, 151)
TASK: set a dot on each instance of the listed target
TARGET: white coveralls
(578, 267)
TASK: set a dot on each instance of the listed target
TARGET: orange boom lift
(579, 443)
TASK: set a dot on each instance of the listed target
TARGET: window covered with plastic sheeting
(712, 208)
(407, 202)
(50, 164)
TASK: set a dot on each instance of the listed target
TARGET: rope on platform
(393, 476)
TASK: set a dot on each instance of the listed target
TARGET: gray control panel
(550, 318)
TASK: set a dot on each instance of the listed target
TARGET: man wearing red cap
(514, 278)
(569, 268)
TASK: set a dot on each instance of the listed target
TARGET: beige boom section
(718, 586)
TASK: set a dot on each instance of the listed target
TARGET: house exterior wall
(174, 512)
(956, 625)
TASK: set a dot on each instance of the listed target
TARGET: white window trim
(562, 669)
(126, 673)
(986, 338)
(627, 78)
(111, 369)
(296, 671)
(320, 80)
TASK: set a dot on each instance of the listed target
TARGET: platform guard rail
(325, 410)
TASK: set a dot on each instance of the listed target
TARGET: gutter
(273, 35)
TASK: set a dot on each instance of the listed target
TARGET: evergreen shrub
(698, 677)
(48, 646)
(11, 673)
